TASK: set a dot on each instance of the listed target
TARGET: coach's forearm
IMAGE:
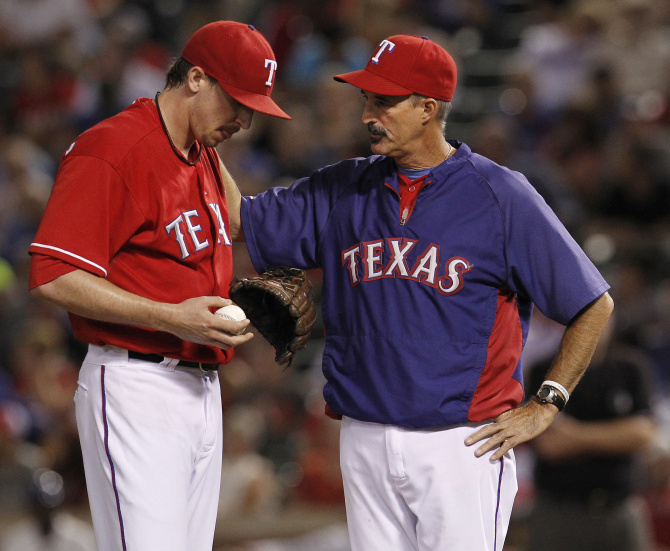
(579, 342)
(524, 423)
(96, 298)
(233, 200)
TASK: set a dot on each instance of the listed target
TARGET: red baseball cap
(241, 60)
(405, 64)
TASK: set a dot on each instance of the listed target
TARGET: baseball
(232, 312)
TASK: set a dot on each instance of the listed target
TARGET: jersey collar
(176, 151)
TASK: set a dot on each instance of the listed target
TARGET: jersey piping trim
(495, 528)
(70, 254)
(109, 457)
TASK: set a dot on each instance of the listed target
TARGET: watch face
(545, 393)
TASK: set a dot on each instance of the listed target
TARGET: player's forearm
(96, 298)
(579, 342)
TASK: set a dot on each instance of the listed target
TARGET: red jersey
(125, 207)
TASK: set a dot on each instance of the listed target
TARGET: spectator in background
(48, 527)
(585, 470)
(556, 57)
(637, 185)
(636, 46)
(249, 485)
(56, 22)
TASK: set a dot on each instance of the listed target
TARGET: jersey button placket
(408, 197)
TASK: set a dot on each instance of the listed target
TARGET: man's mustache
(376, 131)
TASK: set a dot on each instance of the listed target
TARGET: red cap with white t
(405, 64)
(240, 59)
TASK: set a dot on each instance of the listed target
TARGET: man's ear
(195, 78)
(430, 109)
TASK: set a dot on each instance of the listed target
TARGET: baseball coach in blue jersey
(432, 258)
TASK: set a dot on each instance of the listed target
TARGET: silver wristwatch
(549, 395)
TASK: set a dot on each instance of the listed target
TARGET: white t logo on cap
(273, 67)
(383, 46)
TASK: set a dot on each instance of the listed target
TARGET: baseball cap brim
(257, 102)
(365, 80)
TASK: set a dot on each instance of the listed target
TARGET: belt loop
(169, 363)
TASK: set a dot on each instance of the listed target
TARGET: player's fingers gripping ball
(232, 312)
(280, 305)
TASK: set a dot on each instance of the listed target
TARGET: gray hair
(443, 108)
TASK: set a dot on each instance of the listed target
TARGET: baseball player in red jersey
(135, 244)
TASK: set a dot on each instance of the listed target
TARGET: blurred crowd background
(574, 94)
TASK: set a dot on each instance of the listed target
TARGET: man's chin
(376, 146)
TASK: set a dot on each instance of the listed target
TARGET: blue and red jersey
(425, 320)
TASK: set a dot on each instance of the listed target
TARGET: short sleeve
(44, 269)
(544, 262)
(278, 216)
(284, 226)
(89, 216)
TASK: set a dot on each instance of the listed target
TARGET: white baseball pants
(151, 438)
(423, 490)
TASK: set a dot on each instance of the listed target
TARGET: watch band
(559, 387)
(549, 395)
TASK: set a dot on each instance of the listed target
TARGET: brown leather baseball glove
(280, 305)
